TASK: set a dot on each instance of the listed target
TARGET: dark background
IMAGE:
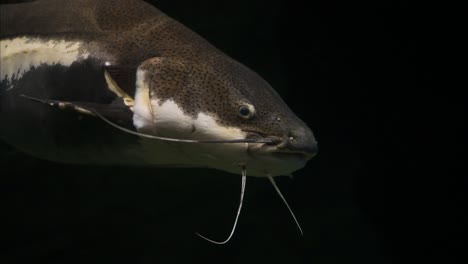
(369, 78)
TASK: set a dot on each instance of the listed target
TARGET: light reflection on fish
(119, 82)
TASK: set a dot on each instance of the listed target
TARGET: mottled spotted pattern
(189, 70)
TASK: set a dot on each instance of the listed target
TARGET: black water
(385, 187)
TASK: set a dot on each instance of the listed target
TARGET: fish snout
(299, 142)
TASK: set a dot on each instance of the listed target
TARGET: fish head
(218, 98)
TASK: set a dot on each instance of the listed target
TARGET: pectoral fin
(121, 81)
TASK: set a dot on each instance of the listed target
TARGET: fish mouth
(282, 147)
(274, 140)
(298, 155)
(278, 155)
(255, 135)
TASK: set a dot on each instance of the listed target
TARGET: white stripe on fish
(19, 55)
(152, 116)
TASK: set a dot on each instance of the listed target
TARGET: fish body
(145, 72)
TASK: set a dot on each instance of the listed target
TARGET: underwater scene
(225, 132)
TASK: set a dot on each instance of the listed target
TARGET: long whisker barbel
(247, 140)
(91, 111)
(244, 180)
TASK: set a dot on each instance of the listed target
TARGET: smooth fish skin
(143, 71)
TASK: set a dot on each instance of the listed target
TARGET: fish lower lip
(251, 134)
(255, 135)
(292, 155)
(258, 135)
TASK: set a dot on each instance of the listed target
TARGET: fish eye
(246, 111)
